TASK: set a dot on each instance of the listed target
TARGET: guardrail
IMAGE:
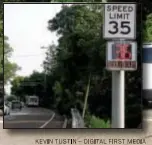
(65, 122)
(77, 120)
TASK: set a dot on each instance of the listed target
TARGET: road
(1, 120)
(29, 136)
(33, 118)
(147, 115)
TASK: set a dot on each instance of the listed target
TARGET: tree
(80, 52)
(148, 29)
(9, 68)
(76, 26)
(16, 85)
(76, 66)
(30, 85)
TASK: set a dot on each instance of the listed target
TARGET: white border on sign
(125, 69)
(134, 22)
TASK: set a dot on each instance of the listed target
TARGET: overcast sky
(26, 27)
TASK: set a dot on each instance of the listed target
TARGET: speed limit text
(119, 11)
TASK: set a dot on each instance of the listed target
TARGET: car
(6, 109)
(10, 104)
(15, 104)
(32, 101)
(23, 104)
(1, 103)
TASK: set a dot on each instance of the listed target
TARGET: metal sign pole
(114, 101)
(121, 97)
(118, 97)
(120, 26)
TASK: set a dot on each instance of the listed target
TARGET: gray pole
(45, 72)
(45, 82)
(118, 97)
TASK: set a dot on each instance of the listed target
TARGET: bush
(96, 122)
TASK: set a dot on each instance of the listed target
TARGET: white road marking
(65, 123)
(24, 121)
(148, 119)
(19, 113)
(47, 122)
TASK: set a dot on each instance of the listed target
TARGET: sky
(26, 27)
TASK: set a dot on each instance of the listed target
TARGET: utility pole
(45, 71)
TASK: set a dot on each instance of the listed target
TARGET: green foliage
(9, 68)
(27, 0)
(74, 59)
(148, 29)
(32, 85)
(95, 122)
(81, 51)
(58, 90)
(11, 98)
(16, 88)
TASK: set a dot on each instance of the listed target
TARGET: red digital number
(123, 52)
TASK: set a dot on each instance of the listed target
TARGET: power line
(27, 55)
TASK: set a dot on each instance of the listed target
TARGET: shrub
(96, 122)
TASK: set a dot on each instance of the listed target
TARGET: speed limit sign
(119, 21)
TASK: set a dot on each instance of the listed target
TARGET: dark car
(16, 104)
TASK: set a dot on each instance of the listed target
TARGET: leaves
(9, 68)
(148, 29)
(31, 85)
(80, 51)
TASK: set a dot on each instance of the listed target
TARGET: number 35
(123, 25)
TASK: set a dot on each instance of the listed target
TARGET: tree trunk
(86, 96)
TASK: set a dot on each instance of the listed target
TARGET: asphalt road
(33, 118)
(30, 136)
(24, 137)
(1, 120)
(147, 114)
(44, 118)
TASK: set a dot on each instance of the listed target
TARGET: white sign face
(121, 56)
(119, 21)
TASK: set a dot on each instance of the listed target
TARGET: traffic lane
(1, 119)
(147, 113)
(34, 110)
(29, 117)
(147, 125)
(22, 125)
(50, 125)
(1, 122)
(147, 116)
(54, 124)
(31, 111)
(27, 121)
(42, 121)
